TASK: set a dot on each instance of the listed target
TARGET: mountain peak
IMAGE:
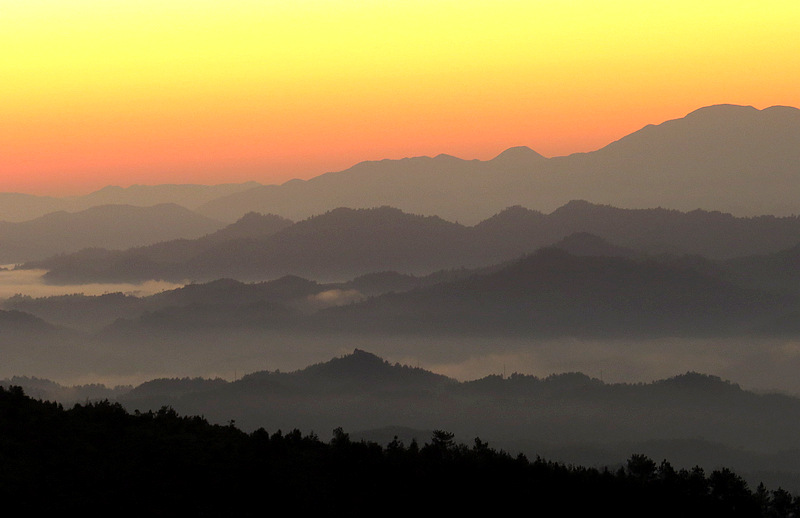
(723, 109)
(445, 156)
(576, 207)
(364, 368)
(726, 114)
(518, 154)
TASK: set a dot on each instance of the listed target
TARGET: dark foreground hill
(97, 458)
(361, 391)
(692, 418)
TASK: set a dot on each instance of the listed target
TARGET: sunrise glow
(144, 91)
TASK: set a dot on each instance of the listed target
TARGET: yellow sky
(143, 91)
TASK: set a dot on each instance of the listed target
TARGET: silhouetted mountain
(186, 195)
(59, 459)
(196, 318)
(29, 343)
(340, 244)
(455, 187)
(569, 414)
(549, 293)
(93, 312)
(711, 234)
(16, 207)
(163, 260)
(48, 390)
(553, 293)
(226, 303)
(109, 226)
(346, 243)
(731, 158)
(78, 311)
(357, 373)
(14, 321)
(174, 387)
(251, 226)
(228, 291)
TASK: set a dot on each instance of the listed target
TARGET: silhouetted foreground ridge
(98, 458)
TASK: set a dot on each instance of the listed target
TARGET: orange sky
(144, 91)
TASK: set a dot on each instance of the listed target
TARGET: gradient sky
(98, 92)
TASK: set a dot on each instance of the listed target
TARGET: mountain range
(727, 158)
(108, 226)
(18, 207)
(346, 243)
(580, 286)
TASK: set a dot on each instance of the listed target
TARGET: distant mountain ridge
(346, 243)
(109, 226)
(730, 158)
(554, 293)
(17, 207)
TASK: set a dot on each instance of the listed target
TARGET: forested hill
(99, 459)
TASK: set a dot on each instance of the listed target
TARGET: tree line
(97, 458)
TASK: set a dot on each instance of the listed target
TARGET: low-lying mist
(31, 283)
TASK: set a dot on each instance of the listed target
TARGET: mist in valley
(31, 283)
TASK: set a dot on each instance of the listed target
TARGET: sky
(97, 93)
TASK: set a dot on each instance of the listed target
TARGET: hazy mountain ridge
(109, 226)
(603, 290)
(553, 292)
(82, 312)
(17, 207)
(13, 321)
(729, 158)
(345, 243)
(225, 295)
